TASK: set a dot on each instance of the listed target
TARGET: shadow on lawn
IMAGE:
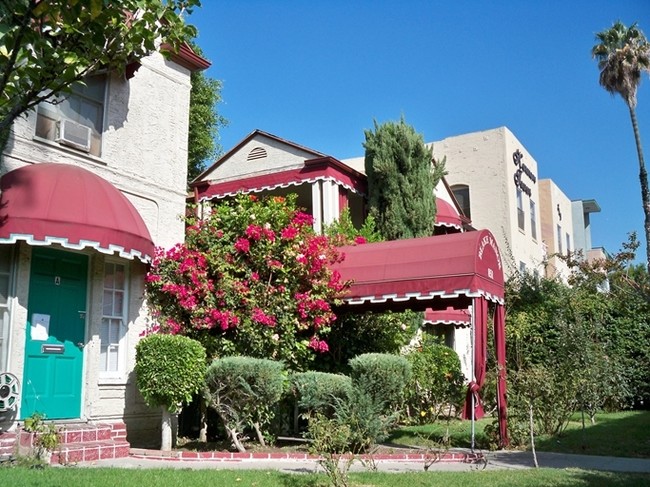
(621, 435)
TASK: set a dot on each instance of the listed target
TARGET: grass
(622, 434)
(104, 477)
(458, 433)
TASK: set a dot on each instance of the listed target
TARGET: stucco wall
(144, 155)
(557, 210)
(483, 161)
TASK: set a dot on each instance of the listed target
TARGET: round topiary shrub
(245, 392)
(317, 392)
(169, 369)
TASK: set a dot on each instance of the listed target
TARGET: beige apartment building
(495, 180)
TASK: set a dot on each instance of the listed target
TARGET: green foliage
(382, 377)
(359, 422)
(169, 369)
(251, 279)
(579, 347)
(401, 181)
(317, 392)
(205, 121)
(354, 334)
(46, 435)
(343, 231)
(46, 46)
(437, 382)
(245, 392)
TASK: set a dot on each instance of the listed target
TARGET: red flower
(242, 245)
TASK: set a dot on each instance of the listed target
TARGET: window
(559, 239)
(445, 333)
(533, 220)
(568, 243)
(77, 119)
(113, 328)
(522, 267)
(6, 274)
(461, 193)
(520, 210)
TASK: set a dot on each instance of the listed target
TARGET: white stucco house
(90, 186)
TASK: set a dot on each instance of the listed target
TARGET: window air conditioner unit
(74, 135)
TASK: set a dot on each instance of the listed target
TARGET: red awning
(447, 216)
(448, 316)
(48, 203)
(431, 272)
(321, 169)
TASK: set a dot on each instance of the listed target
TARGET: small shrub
(383, 377)
(245, 391)
(357, 425)
(316, 392)
(46, 436)
(437, 382)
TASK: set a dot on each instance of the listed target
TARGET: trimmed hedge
(317, 392)
(245, 392)
(383, 377)
(169, 370)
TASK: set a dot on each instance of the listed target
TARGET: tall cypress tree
(401, 181)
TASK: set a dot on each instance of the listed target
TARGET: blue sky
(319, 72)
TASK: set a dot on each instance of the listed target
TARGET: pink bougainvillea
(251, 279)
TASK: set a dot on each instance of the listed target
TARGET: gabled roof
(255, 133)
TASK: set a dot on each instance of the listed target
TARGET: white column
(330, 202)
(317, 206)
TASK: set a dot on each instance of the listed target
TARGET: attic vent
(257, 153)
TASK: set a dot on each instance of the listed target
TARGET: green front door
(56, 324)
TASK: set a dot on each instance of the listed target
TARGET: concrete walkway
(492, 461)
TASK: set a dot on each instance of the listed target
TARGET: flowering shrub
(251, 279)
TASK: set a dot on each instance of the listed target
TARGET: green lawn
(624, 434)
(103, 477)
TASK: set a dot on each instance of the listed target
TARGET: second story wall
(141, 146)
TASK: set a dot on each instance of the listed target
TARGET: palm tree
(623, 54)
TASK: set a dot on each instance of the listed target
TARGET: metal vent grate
(256, 153)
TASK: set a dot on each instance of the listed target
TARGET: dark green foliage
(383, 377)
(169, 370)
(354, 334)
(437, 382)
(317, 392)
(204, 122)
(245, 392)
(401, 181)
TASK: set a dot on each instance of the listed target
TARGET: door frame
(86, 321)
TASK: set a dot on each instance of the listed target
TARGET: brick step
(89, 451)
(72, 433)
(7, 444)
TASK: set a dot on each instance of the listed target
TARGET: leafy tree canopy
(47, 45)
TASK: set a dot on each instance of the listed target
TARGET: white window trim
(122, 343)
